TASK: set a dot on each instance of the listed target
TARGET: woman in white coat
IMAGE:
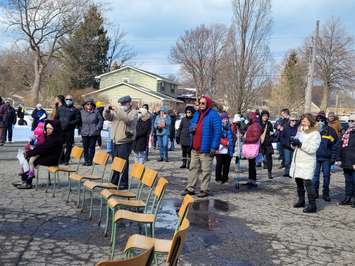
(306, 144)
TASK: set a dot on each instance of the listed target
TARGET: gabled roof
(155, 94)
(153, 75)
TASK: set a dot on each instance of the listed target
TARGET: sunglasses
(202, 103)
(68, 99)
(293, 120)
(351, 121)
(89, 104)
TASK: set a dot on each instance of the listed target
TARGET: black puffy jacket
(69, 117)
(143, 129)
(328, 148)
(347, 154)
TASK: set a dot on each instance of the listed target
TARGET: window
(162, 86)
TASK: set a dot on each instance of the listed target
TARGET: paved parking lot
(257, 227)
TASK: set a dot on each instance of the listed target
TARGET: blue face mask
(69, 102)
(321, 125)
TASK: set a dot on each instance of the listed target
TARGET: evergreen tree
(85, 51)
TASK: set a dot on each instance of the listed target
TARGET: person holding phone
(162, 125)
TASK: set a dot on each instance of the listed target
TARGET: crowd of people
(308, 145)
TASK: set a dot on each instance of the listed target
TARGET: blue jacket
(328, 148)
(286, 134)
(211, 130)
(166, 129)
(227, 133)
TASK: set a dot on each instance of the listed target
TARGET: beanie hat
(264, 112)
(321, 116)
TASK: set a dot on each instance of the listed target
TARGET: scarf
(346, 136)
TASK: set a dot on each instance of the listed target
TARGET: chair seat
(113, 202)
(144, 242)
(77, 177)
(54, 169)
(107, 193)
(134, 216)
(92, 185)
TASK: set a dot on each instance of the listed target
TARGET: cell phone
(110, 108)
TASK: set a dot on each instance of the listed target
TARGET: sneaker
(310, 209)
(202, 194)
(25, 186)
(16, 184)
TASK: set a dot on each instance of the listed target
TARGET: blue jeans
(323, 165)
(288, 154)
(349, 175)
(140, 157)
(163, 146)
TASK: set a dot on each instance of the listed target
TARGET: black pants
(302, 185)
(222, 167)
(8, 133)
(99, 140)
(89, 148)
(123, 151)
(252, 169)
(186, 153)
(268, 161)
(68, 139)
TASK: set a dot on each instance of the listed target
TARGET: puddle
(203, 213)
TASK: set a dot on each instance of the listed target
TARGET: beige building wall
(130, 76)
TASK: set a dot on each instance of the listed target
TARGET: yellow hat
(99, 104)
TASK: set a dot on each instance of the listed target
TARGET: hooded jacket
(49, 152)
(183, 135)
(142, 133)
(254, 131)
(328, 148)
(210, 130)
(69, 117)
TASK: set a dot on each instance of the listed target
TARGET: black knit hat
(190, 108)
(264, 112)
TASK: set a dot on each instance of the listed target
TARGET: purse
(250, 151)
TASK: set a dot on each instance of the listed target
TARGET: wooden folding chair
(162, 247)
(143, 259)
(146, 186)
(100, 159)
(118, 165)
(147, 218)
(134, 184)
(75, 156)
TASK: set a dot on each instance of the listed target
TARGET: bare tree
(335, 59)
(119, 52)
(43, 23)
(247, 53)
(199, 52)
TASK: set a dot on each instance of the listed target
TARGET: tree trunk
(36, 86)
(325, 98)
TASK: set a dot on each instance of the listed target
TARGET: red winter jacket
(254, 130)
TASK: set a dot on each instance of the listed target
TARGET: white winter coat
(304, 158)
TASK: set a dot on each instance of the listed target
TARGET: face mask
(321, 125)
(140, 115)
(69, 102)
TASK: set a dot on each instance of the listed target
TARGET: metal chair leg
(107, 221)
(82, 204)
(113, 242)
(55, 183)
(49, 179)
(101, 205)
(37, 177)
(79, 192)
(68, 197)
(91, 204)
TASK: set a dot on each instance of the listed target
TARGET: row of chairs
(140, 203)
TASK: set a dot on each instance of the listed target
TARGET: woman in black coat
(266, 148)
(143, 129)
(184, 137)
(347, 158)
(46, 154)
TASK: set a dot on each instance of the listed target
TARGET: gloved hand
(296, 143)
(212, 152)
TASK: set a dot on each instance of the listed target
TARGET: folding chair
(136, 175)
(100, 159)
(146, 218)
(143, 259)
(75, 155)
(146, 186)
(118, 165)
(162, 247)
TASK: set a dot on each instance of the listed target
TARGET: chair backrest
(101, 158)
(184, 209)
(178, 243)
(118, 164)
(76, 153)
(137, 171)
(149, 177)
(143, 259)
(158, 194)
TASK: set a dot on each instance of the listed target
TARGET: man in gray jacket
(124, 119)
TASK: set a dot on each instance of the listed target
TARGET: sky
(153, 26)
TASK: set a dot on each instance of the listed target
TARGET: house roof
(153, 75)
(142, 89)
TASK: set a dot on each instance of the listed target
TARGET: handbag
(250, 151)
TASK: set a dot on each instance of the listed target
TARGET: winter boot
(269, 174)
(188, 164)
(326, 196)
(312, 207)
(183, 163)
(346, 201)
(300, 203)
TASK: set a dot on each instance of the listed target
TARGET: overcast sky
(153, 26)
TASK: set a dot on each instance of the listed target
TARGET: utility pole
(308, 92)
